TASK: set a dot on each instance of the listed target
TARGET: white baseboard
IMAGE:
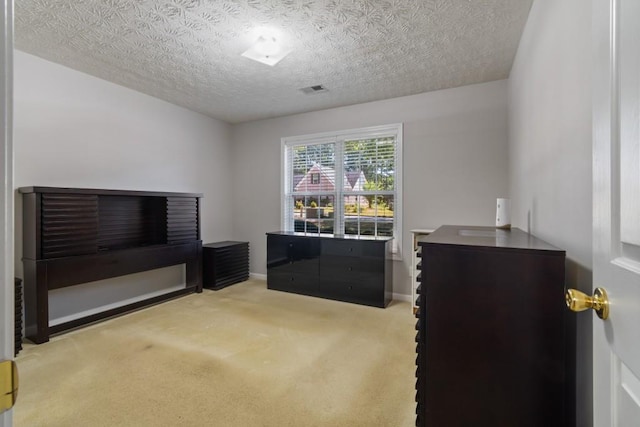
(258, 276)
(401, 297)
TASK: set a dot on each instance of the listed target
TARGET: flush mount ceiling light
(267, 50)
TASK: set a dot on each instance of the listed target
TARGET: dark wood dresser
(224, 263)
(352, 269)
(79, 235)
(495, 341)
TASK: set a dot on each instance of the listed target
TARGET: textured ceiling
(188, 52)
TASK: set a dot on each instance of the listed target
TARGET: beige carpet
(242, 356)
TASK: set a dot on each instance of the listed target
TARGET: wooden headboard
(79, 235)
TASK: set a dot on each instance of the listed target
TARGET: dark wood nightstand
(224, 263)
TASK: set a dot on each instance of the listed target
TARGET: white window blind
(345, 182)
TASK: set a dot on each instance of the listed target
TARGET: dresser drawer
(359, 268)
(341, 248)
(288, 254)
(292, 282)
(341, 267)
(360, 292)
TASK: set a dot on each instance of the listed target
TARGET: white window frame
(339, 137)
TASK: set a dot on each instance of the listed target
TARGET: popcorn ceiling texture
(188, 51)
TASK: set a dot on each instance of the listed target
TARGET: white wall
(75, 130)
(550, 149)
(455, 162)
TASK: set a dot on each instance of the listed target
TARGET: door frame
(603, 115)
(6, 191)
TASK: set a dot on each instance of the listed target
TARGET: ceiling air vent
(314, 89)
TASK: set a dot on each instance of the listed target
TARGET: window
(346, 182)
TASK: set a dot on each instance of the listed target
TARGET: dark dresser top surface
(223, 244)
(488, 237)
(331, 236)
(103, 192)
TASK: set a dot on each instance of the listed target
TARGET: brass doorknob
(8, 384)
(579, 301)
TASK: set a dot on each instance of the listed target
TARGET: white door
(616, 197)
(6, 190)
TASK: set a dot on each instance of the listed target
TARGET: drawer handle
(292, 279)
(350, 268)
(350, 249)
